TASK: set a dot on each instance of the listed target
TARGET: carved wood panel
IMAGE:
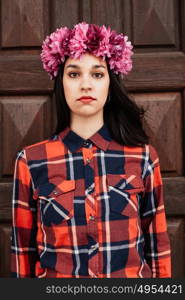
(166, 136)
(5, 234)
(31, 19)
(64, 13)
(177, 235)
(25, 120)
(154, 23)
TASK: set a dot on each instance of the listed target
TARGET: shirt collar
(73, 141)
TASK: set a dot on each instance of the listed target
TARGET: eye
(98, 75)
(72, 74)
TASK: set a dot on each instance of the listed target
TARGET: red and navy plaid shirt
(88, 208)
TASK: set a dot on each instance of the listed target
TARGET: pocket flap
(49, 189)
(126, 182)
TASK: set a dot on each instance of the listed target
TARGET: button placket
(94, 248)
(90, 207)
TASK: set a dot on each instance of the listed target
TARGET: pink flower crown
(91, 38)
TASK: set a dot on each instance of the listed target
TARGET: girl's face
(87, 76)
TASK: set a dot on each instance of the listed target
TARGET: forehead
(86, 61)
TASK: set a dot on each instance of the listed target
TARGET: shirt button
(55, 192)
(91, 217)
(88, 160)
(86, 143)
(89, 189)
(94, 246)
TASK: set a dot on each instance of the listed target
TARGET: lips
(86, 98)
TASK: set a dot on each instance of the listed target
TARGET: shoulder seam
(147, 155)
(29, 170)
(154, 163)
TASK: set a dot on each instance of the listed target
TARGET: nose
(86, 83)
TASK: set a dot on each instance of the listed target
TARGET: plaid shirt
(88, 208)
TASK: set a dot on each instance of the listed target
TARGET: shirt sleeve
(24, 221)
(153, 219)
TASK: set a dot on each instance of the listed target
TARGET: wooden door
(27, 111)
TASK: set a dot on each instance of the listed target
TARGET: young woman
(88, 201)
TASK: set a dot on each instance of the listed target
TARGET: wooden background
(27, 111)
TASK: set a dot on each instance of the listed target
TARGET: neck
(87, 126)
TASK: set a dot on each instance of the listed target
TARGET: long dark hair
(121, 114)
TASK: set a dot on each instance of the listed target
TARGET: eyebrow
(78, 67)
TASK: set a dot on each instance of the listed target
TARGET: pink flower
(77, 44)
(54, 49)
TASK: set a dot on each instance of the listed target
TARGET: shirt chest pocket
(56, 202)
(123, 191)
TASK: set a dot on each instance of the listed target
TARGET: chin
(86, 113)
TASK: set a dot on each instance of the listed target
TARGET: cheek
(68, 90)
(66, 87)
(69, 93)
(103, 89)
